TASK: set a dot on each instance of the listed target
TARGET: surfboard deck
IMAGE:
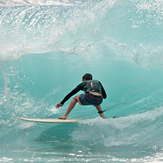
(49, 120)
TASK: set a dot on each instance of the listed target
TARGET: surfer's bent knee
(76, 98)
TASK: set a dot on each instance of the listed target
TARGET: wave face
(47, 46)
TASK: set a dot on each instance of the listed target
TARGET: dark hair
(87, 76)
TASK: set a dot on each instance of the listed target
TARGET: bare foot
(62, 117)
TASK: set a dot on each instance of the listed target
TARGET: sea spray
(46, 47)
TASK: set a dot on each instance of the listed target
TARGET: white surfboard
(49, 120)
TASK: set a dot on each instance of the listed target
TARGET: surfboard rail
(51, 120)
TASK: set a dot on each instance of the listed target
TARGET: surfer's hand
(59, 105)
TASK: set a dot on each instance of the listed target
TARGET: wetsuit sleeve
(74, 91)
(103, 92)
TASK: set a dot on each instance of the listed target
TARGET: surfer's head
(87, 76)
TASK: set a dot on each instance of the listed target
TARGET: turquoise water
(47, 46)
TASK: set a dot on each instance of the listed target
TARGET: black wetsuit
(87, 86)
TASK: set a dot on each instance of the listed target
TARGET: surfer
(94, 95)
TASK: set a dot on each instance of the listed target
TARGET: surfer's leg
(71, 106)
(100, 110)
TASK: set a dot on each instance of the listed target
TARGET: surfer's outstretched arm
(71, 106)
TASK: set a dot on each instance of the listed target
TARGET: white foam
(26, 125)
(38, 2)
(6, 159)
(120, 131)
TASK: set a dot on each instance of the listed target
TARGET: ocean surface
(45, 49)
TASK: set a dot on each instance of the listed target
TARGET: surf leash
(155, 104)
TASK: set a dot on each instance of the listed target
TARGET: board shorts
(90, 99)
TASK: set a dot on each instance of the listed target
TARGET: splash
(125, 129)
(33, 29)
(40, 2)
(46, 46)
